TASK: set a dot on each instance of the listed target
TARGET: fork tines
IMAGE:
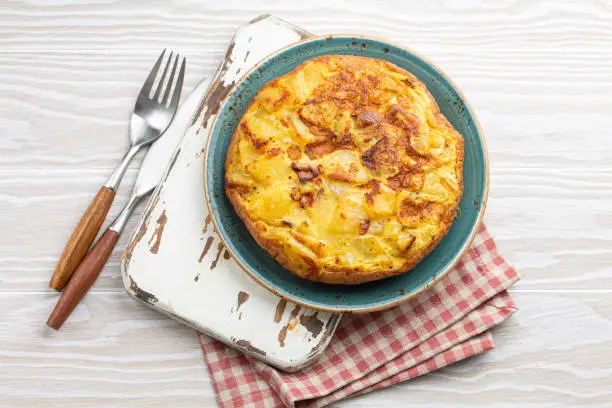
(168, 86)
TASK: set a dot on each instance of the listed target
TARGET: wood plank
(511, 24)
(114, 351)
(55, 110)
(40, 209)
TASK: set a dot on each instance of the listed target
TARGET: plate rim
(401, 299)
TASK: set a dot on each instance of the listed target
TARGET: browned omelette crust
(345, 171)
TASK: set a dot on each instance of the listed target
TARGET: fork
(151, 117)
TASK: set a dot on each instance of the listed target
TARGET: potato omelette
(344, 170)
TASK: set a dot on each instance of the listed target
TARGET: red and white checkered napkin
(447, 323)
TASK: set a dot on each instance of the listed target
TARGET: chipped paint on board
(207, 246)
(312, 323)
(142, 294)
(157, 234)
(246, 344)
(242, 297)
(207, 222)
(141, 231)
(174, 277)
(220, 248)
(291, 325)
(280, 310)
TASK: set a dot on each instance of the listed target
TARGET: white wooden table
(538, 74)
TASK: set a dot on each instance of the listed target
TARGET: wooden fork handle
(85, 275)
(82, 237)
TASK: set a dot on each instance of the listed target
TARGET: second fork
(151, 117)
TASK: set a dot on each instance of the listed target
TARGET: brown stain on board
(214, 263)
(280, 310)
(157, 234)
(245, 344)
(207, 246)
(312, 323)
(291, 324)
(217, 94)
(282, 335)
(329, 329)
(226, 255)
(218, 90)
(141, 294)
(242, 297)
(127, 255)
(207, 222)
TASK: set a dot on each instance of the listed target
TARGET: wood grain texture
(538, 75)
(115, 352)
(38, 209)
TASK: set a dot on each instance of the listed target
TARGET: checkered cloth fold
(447, 323)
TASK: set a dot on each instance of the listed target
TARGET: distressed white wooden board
(68, 76)
(116, 352)
(176, 263)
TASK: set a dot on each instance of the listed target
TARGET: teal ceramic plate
(347, 298)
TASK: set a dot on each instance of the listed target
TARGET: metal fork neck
(119, 222)
(115, 178)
